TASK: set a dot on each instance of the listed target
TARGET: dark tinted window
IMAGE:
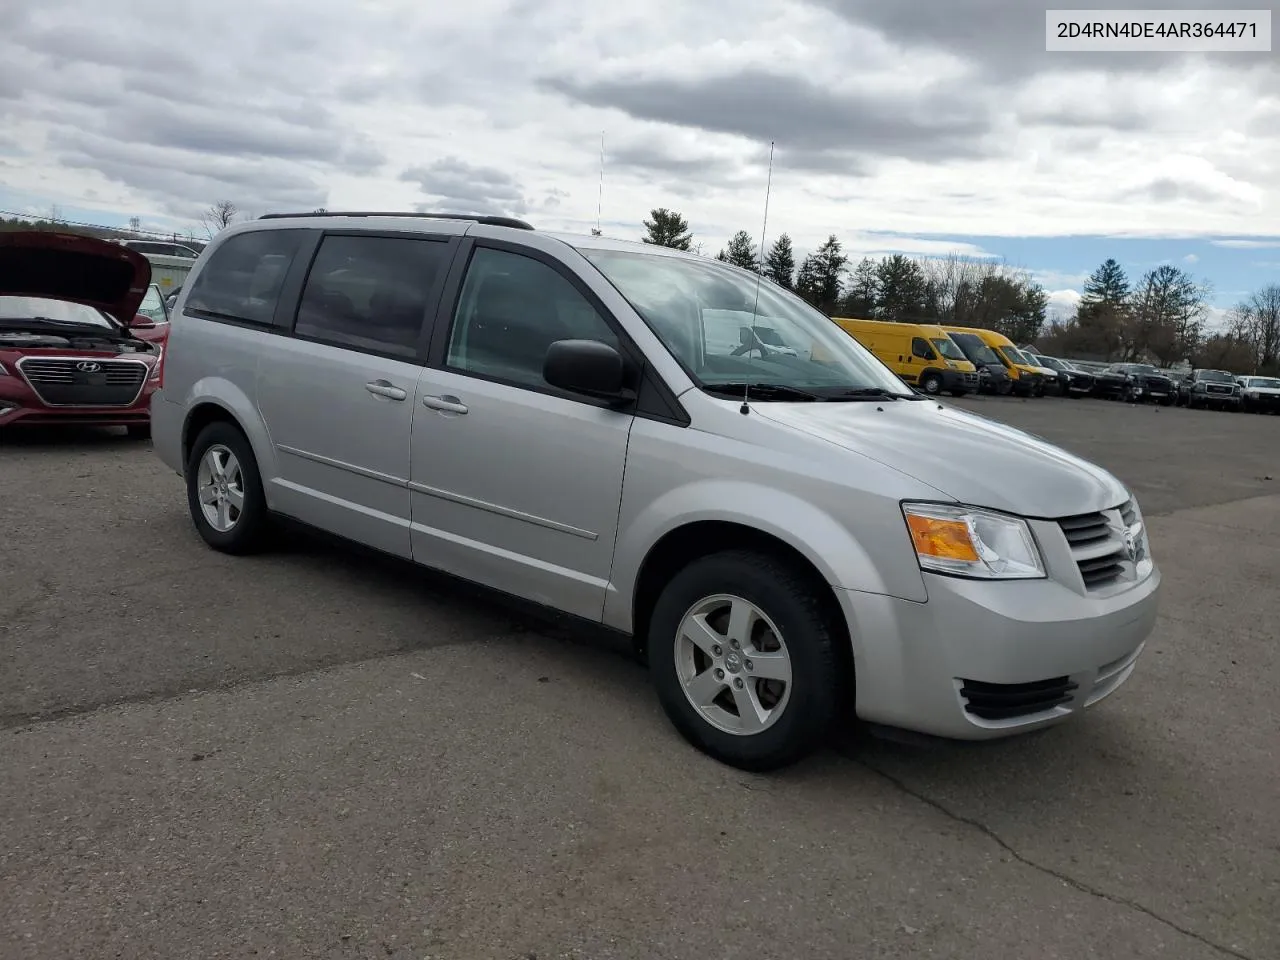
(512, 308)
(371, 292)
(921, 348)
(242, 280)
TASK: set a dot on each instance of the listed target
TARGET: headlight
(3, 371)
(972, 542)
(155, 366)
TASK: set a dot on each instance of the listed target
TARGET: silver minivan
(787, 534)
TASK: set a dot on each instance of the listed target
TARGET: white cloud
(949, 119)
(1190, 258)
(1062, 303)
(1247, 244)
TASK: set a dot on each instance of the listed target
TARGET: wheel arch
(692, 541)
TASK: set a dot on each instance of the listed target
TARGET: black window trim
(289, 287)
(933, 354)
(431, 312)
(655, 399)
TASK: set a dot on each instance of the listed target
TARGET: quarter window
(512, 308)
(371, 293)
(242, 280)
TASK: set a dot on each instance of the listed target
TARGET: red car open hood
(67, 266)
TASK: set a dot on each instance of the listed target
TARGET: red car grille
(84, 381)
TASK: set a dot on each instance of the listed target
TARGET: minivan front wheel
(743, 657)
(224, 490)
(931, 384)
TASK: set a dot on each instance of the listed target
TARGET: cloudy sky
(921, 126)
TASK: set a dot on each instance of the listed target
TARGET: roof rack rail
(477, 218)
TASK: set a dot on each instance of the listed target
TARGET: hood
(974, 460)
(66, 266)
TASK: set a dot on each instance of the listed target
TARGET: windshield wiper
(874, 393)
(762, 391)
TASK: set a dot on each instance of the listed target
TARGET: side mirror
(142, 322)
(589, 367)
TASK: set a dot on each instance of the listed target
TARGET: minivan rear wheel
(224, 490)
(744, 660)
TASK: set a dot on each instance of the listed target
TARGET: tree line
(1161, 318)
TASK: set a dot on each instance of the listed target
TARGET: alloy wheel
(733, 665)
(220, 483)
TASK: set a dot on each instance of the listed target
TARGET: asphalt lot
(316, 753)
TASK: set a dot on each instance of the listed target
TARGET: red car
(73, 347)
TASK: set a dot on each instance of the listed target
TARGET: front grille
(1007, 701)
(61, 381)
(1089, 528)
(1099, 545)
(1100, 571)
(1215, 388)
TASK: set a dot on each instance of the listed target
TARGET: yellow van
(920, 353)
(1028, 381)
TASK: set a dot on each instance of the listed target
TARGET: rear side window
(371, 293)
(242, 280)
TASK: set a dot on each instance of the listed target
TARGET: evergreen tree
(863, 297)
(741, 251)
(902, 288)
(667, 228)
(780, 265)
(821, 276)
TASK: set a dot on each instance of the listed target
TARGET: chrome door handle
(384, 388)
(446, 403)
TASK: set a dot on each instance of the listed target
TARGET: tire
(931, 384)
(139, 431)
(792, 603)
(251, 523)
(1005, 388)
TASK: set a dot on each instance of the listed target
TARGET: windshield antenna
(764, 227)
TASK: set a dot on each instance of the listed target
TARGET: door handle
(448, 404)
(384, 388)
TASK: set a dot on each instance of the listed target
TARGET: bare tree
(1166, 315)
(219, 216)
(1256, 322)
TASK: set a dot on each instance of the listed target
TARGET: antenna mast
(764, 227)
(600, 192)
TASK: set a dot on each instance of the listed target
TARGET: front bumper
(20, 406)
(958, 381)
(937, 667)
(1027, 383)
(1229, 399)
(1264, 401)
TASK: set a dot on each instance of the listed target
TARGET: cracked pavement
(316, 753)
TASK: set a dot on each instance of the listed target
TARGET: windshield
(52, 311)
(947, 347)
(703, 313)
(974, 348)
(1271, 382)
(1051, 363)
(1013, 356)
(152, 305)
(1217, 376)
(1143, 368)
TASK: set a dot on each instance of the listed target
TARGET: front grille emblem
(88, 366)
